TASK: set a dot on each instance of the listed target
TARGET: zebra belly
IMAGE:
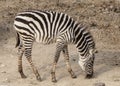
(46, 40)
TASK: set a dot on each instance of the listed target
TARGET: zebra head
(87, 62)
(86, 48)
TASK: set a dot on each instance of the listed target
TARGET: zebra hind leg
(28, 49)
(88, 76)
(56, 58)
(66, 55)
(20, 54)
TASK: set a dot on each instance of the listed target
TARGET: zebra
(48, 27)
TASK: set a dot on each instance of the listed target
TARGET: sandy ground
(107, 67)
(101, 16)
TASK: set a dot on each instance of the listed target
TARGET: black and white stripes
(42, 25)
(47, 27)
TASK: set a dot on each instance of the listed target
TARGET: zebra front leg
(56, 58)
(53, 72)
(20, 54)
(89, 68)
(28, 49)
(66, 55)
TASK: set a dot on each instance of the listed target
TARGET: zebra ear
(92, 51)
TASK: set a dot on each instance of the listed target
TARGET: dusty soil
(101, 16)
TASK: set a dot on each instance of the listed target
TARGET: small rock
(111, 7)
(33, 83)
(99, 84)
(93, 24)
(116, 80)
(92, 5)
(116, 26)
(3, 71)
(7, 80)
(2, 65)
(9, 13)
(116, 64)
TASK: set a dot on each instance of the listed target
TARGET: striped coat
(48, 27)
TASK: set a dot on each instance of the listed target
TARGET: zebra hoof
(23, 76)
(74, 76)
(39, 78)
(89, 76)
(54, 80)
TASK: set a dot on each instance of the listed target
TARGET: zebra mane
(83, 38)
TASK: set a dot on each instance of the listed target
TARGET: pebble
(92, 5)
(111, 6)
(7, 80)
(116, 26)
(93, 24)
(99, 84)
(2, 65)
(116, 80)
(3, 71)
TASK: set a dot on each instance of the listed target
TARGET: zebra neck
(80, 39)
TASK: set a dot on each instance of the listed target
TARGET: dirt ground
(101, 16)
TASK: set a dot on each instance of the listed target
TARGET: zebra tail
(17, 40)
